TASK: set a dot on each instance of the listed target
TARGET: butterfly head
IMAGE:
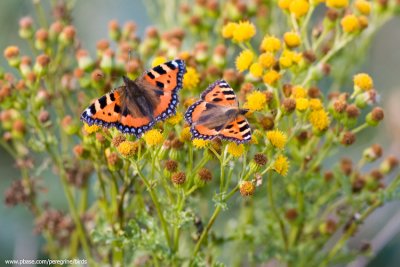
(243, 111)
(127, 81)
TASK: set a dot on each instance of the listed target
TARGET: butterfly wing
(199, 112)
(159, 87)
(238, 130)
(215, 115)
(105, 111)
(162, 84)
(220, 93)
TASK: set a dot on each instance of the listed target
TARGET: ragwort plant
(167, 200)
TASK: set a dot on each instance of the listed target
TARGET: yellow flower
(191, 78)
(200, 143)
(174, 120)
(244, 60)
(235, 149)
(363, 81)
(281, 165)
(299, 8)
(246, 188)
(271, 77)
(284, 4)
(256, 70)
(158, 61)
(267, 59)
(299, 92)
(254, 140)
(337, 3)
(292, 39)
(229, 29)
(285, 61)
(350, 23)
(277, 138)
(127, 148)
(153, 137)
(270, 44)
(91, 129)
(315, 104)
(363, 6)
(256, 100)
(302, 103)
(297, 57)
(244, 31)
(185, 134)
(319, 119)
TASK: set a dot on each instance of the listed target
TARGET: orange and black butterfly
(135, 107)
(217, 114)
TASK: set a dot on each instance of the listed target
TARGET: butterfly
(135, 107)
(217, 114)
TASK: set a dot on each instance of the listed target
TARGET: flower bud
(114, 30)
(11, 53)
(288, 105)
(55, 30)
(114, 162)
(25, 66)
(18, 129)
(171, 165)
(291, 215)
(107, 61)
(375, 116)
(205, 175)
(67, 36)
(178, 178)
(348, 138)
(69, 126)
(44, 116)
(41, 39)
(389, 164)
(372, 153)
(26, 28)
(85, 62)
(117, 140)
(41, 64)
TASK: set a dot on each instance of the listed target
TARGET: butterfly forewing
(105, 111)
(220, 93)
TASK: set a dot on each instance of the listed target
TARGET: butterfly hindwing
(237, 130)
(105, 111)
(194, 115)
(220, 93)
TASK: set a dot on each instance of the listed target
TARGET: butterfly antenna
(129, 54)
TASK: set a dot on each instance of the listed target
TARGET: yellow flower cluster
(158, 61)
(270, 44)
(244, 60)
(255, 101)
(363, 81)
(153, 137)
(319, 119)
(191, 78)
(200, 143)
(174, 120)
(337, 3)
(127, 148)
(239, 32)
(277, 138)
(281, 165)
(235, 150)
(91, 129)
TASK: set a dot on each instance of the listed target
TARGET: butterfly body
(136, 106)
(217, 114)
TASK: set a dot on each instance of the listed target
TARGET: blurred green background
(91, 17)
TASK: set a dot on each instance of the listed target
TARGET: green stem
(156, 204)
(276, 212)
